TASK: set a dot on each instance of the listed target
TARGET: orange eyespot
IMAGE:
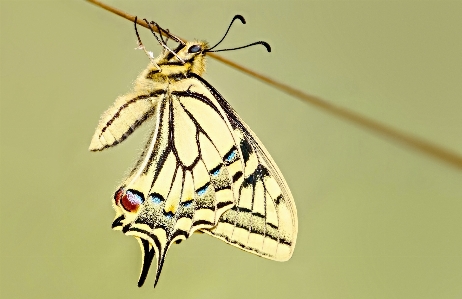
(130, 200)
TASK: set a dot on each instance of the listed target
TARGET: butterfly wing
(202, 170)
(264, 219)
(122, 118)
(183, 181)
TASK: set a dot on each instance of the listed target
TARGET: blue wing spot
(168, 215)
(156, 198)
(230, 156)
(187, 204)
(201, 191)
(216, 171)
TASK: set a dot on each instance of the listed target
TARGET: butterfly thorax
(168, 68)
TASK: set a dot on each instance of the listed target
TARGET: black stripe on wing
(248, 143)
(230, 112)
(132, 127)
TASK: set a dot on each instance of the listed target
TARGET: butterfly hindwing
(184, 178)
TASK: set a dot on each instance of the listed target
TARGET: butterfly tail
(148, 255)
(160, 263)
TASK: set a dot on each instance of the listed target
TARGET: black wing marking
(264, 220)
(184, 193)
(120, 120)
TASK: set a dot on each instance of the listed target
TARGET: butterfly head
(187, 57)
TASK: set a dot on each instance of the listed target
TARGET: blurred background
(376, 219)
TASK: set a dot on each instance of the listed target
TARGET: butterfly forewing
(122, 118)
(264, 220)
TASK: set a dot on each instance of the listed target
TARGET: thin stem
(130, 18)
(435, 151)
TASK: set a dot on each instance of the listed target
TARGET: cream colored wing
(183, 180)
(122, 118)
(203, 169)
(264, 220)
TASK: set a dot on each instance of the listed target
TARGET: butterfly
(202, 169)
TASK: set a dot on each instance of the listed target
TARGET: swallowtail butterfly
(202, 169)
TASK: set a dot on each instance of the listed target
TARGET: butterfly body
(203, 169)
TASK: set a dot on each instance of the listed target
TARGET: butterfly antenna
(241, 18)
(161, 40)
(141, 46)
(265, 44)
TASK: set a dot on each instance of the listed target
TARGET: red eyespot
(132, 200)
(118, 196)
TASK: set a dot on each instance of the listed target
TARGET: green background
(376, 219)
